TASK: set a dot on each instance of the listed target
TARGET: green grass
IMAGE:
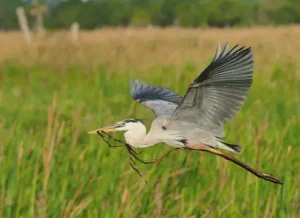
(51, 167)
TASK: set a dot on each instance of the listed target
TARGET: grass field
(53, 92)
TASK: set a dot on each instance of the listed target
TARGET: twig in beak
(104, 139)
(133, 155)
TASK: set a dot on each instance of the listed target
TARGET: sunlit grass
(51, 167)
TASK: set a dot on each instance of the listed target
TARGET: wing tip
(226, 48)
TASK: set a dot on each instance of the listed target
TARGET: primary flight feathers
(220, 90)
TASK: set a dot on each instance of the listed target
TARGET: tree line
(186, 13)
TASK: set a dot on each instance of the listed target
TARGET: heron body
(195, 121)
(198, 117)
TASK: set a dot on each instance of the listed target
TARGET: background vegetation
(53, 92)
(189, 13)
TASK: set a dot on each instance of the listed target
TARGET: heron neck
(137, 137)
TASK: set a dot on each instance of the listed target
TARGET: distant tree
(168, 12)
(223, 13)
(140, 17)
(8, 19)
(187, 13)
(278, 12)
(192, 13)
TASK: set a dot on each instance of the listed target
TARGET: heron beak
(110, 128)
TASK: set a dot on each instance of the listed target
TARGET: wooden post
(37, 11)
(39, 23)
(23, 23)
(176, 22)
(75, 32)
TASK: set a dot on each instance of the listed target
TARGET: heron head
(123, 125)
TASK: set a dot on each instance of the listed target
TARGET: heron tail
(236, 148)
(229, 147)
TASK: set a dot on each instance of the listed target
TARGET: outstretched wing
(219, 91)
(161, 101)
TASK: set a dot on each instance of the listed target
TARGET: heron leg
(265, 176)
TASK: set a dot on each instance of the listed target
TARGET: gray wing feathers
(161, 101)
(219, 91)
(143, 91)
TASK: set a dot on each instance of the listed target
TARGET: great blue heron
(196, 120)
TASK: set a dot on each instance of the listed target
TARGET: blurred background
(93, 14)
(65, 67)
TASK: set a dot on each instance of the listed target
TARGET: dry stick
(132, 153)
(111, 146)
(229, 157)
(138, 172)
